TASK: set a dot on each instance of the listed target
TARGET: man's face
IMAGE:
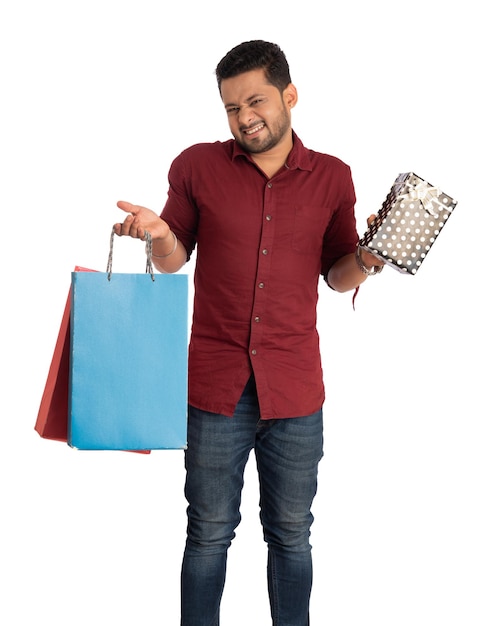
(258, 113)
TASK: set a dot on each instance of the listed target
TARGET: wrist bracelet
(163, 256)
(376, 269)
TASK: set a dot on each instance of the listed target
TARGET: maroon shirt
(261, 246)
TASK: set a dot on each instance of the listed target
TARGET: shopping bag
(128, 360)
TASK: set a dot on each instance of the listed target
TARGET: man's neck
(273, 160)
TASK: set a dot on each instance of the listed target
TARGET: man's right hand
(139, 220)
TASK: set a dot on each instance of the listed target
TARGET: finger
(128, 207)
(132, 228)
(125, 227)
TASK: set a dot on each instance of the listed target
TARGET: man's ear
(290, 96)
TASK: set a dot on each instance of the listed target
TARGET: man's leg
(288, 452)
(218, 449)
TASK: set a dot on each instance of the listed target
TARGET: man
(268, 217)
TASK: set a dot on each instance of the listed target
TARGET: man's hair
(255, 55)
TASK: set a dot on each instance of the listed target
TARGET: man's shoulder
(207, 149)
(324, 158)
(318, 159)
(202, 160)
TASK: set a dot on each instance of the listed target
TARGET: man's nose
(246, 116)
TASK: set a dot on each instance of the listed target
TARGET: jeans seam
(274, 591)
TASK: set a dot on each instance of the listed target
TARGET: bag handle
(149, 254)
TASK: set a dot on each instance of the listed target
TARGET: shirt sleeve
(341, 236)
(180, 210)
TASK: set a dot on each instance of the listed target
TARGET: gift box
(408, 224)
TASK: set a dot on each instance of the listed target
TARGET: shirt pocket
(310, 223)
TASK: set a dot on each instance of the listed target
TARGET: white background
(97, 98)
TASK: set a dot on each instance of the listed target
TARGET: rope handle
(149, 254)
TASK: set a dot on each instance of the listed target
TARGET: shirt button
(269, 185)
(257, 319)
(268, 218)
(253, 352)
(265, 251)
(261, 285)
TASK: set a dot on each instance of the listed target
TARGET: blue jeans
(287, 456)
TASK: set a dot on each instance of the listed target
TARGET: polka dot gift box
(408, 223)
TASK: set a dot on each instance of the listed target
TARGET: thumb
(370, 219)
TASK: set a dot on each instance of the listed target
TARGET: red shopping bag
(52, 419)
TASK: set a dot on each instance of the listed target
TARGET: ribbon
(426, 195)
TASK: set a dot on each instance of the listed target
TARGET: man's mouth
(254, 129)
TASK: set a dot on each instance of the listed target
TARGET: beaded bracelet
(163, 256)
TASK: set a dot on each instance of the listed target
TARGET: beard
(269, 139)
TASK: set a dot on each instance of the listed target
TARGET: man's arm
(345, 274)
(353, 269)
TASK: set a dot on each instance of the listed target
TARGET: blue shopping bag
(128, 360)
